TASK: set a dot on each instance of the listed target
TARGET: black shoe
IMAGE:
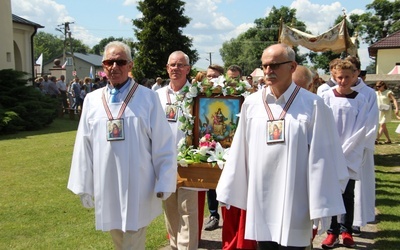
(356, 231)
(212, 224)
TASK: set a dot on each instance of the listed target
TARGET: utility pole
(67, 40)
(210, 57)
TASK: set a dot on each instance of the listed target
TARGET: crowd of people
(70, 95)
(300, 163)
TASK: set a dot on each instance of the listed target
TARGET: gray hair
(118, 44)
(187, 60)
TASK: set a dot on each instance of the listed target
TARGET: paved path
(364, 241)
(212, 239)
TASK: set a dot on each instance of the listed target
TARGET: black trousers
(346, 219)
(212, 203)
(270, 245)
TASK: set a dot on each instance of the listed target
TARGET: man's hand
(87, 200)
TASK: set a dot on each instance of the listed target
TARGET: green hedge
(23, 107)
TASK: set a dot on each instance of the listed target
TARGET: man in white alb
(180, 209)
(286, 182)
(124, 153)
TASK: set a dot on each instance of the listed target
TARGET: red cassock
(201, 202)
(233, 230)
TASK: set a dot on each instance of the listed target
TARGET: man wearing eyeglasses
(180, 209)
(124, 155)
(284, 184)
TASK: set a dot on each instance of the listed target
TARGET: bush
(23, 107)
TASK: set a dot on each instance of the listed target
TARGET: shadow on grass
(389, 239)
(387, 160)
(59, 125)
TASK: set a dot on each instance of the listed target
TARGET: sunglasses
(273, 66)
(118, 62)
(378, 86)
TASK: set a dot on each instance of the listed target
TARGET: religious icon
(217, 116)
(171, 112)
(115, 130)
(276, 131)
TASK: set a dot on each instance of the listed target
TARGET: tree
(246, 49)
(159, 33)
(98, 49)
(381, 20)
(52, 46)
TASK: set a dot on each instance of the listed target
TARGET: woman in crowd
(384, 97)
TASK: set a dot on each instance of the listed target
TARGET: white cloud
(198, 39)
(47, 13)
(222, 23)
(237, 31)
(81, 33)
(124, 20)
(130, 2)
(199, 25)
(306, 12)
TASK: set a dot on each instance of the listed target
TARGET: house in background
(386, 52)
(82, 68)
(16, 50)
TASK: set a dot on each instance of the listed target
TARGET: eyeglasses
(118, 62)
(273, 66)
(178, 65)
(378, 86)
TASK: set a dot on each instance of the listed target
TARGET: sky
(213, 22)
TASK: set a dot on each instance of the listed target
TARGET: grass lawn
(38, 212)
(387, 162)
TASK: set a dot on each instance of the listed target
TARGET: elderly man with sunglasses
(284, 183)
(124, 154)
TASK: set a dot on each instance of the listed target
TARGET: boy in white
(364, 192)
(350, 113)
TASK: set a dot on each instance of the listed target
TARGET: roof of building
(90, 58)
(93, 59)
(390, 42)
(18, 19)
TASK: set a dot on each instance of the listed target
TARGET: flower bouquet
(209, 151)
(196, 166)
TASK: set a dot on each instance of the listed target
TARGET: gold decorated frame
(206, 175)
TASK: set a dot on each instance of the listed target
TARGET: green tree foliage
(381, 19)
(23, 107)
(98, 49)
(52, 46)
(48, 44)
(247, 48)
(159, 33)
